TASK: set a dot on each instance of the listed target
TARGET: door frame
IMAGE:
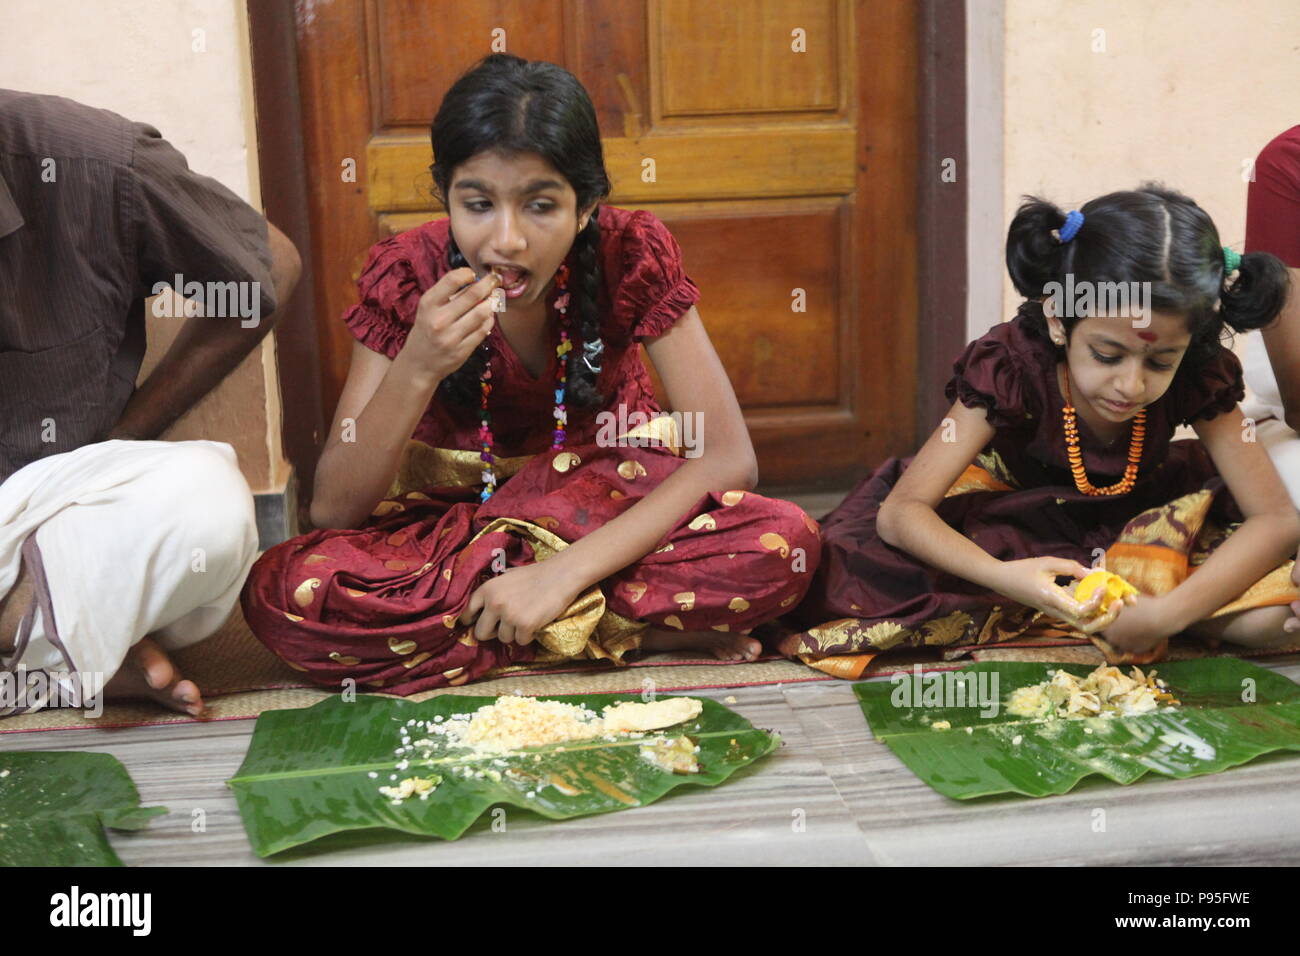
(283, 172)
(941, 205)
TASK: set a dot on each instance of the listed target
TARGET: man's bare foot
(148, 672)
(723, 645)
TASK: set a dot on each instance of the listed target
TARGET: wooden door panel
(741, 165)
(777, 358)
(724, 60)
(776, 171)
(418, 48)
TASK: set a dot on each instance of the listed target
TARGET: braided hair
(508, 105)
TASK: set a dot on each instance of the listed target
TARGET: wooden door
(783, 134)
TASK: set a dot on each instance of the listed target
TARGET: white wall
(182, 66)
(1102, 94)
(984, 162)
(138, 58)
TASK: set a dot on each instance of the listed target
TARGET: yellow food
(497, 733)
(516, 722)
(631, 716)
(1107, 691)
(411, 787)
(1116, 589)
(676, 754)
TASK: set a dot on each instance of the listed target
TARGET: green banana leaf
(307, 771)
(1218, 726)
(54, 808)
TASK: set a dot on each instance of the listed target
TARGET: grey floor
(830, 795)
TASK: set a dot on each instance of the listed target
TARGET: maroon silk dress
(378, 603)
(1019, 501)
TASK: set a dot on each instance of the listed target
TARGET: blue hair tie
(1073, 223)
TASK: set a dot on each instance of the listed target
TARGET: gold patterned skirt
(380, 604)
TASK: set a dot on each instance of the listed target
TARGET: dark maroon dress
(868, 596)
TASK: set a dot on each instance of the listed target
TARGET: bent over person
(116, 548)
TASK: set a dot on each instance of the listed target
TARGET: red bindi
(1147, 336)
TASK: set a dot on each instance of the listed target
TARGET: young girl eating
(1056, 457)
(478, 504)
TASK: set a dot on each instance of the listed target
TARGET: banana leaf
(54, 808)
(1232, 711)
(307, 771)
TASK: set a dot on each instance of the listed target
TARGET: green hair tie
(1231, 261)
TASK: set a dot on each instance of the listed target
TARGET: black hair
(1151, 234)
(509, 105)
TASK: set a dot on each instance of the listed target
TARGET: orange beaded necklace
(1136, 439)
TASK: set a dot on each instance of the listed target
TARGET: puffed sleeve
(1206, 392)
(191, 226)
(389, 295)
(992, 375)
(653, 290)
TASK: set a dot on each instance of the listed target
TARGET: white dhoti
(122, 539)
(1265, 407)
(1283, 446)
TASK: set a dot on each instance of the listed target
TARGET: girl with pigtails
(471, 512)
(1056, 458)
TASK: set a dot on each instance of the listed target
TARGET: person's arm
(205, 351)
(1268, 536)
(1282, 340)
(521, 601)
(190, 230)
(385, 398)
(908, 520)
(1273, 225)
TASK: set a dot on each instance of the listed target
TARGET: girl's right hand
(452, 319)
(1032, 582)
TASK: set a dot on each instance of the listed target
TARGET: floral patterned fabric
(379, 604)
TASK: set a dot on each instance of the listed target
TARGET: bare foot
(148, 672)
(1257, 627)
(721, 644)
